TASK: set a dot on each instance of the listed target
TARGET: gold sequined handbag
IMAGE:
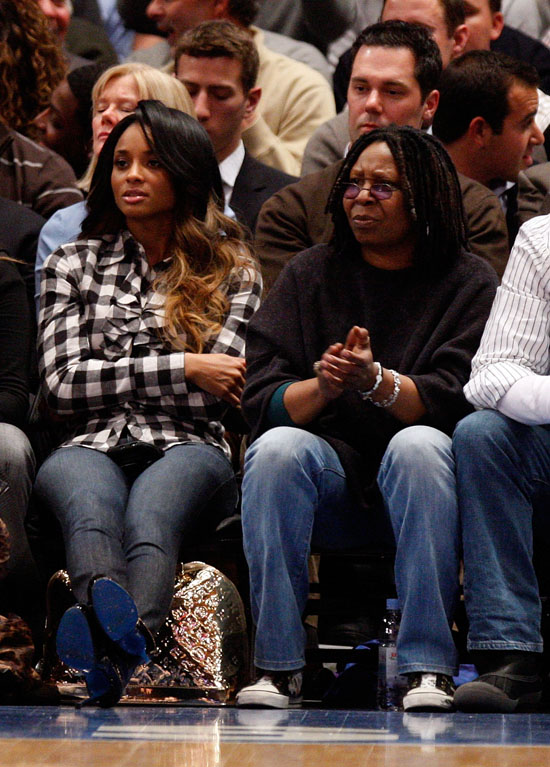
(202, 647)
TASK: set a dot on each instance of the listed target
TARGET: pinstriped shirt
(102, 361)
(516, 339)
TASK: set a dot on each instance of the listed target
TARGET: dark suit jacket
(520, 46)
(294, 219)
(19, 230)
(254, 185)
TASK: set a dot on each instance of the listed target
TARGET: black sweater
(426, 328)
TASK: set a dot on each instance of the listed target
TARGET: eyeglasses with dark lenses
(380, 190)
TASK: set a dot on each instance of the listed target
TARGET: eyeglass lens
(378, 191)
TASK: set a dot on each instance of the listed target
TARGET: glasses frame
(378, 194)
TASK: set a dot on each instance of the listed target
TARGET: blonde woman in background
(114, 96)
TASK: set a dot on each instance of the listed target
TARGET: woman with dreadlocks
(355, 368)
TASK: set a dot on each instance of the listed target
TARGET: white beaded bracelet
(388, 402)
(379, 376)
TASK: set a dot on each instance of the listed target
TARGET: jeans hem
(279, 665)
(427, 668)
(504, 645)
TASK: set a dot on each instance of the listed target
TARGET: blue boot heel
(117, 614)
(74, 641)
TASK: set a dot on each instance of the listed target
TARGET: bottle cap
(392, 604)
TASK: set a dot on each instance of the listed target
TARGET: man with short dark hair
(217, 62)
(444, 20)
(486, 120)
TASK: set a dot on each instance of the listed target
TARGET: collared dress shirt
(103, 363)
(229, 170)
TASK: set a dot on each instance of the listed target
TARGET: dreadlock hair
(431, 193)
(31, 64)
(205, 247)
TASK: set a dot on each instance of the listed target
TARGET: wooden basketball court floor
(195, 736)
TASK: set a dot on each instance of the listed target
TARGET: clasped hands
(348, 366)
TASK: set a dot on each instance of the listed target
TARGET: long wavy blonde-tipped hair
(206, 247)
(151, 83)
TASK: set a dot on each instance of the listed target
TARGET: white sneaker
(429, 692)
(274, 689)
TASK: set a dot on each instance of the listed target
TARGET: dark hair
(182, 147)
(431, 193)
(81, 82)
(243, 11)
(415, 37)
(453, 13)
(212, 39)
(476, 85)
(495, 5)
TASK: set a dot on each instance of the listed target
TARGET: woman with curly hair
(141, 351)
(31, 64)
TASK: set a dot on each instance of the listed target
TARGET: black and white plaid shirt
(102, 361)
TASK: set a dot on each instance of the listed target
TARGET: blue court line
(229, 725)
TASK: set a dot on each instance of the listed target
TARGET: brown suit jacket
(294, 219)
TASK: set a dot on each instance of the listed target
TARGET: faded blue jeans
(132, 533)
(295, 493)
(502, 467)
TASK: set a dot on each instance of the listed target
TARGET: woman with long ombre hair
(142, 326)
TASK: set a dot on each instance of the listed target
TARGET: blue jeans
(295, 493)
(132, 533)
(21, 591)
(417, 481)
(502, 466)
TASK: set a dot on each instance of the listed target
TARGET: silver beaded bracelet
(388, 402)
(379, 376)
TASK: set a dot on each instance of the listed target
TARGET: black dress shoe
(513, 686)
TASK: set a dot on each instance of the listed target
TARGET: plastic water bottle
(391, 685)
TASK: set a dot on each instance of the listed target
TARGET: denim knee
(17, 462)
(482, 429)
(416, 448)
(283, 449)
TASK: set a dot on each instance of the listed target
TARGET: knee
(479, 431)
(278, 450)
(17, 460)
(417, 450)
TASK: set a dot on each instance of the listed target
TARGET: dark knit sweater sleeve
(15, 335)
(274, 352)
